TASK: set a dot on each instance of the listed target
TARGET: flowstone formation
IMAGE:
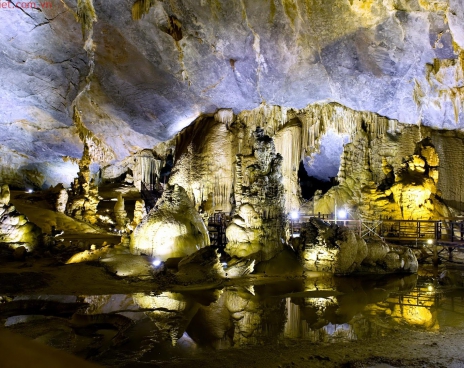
(15, 229)
(383, 184)
(338, 250)
(172, 229)
(413, 194)
(204, 163)
(258, 226)
(146, 169)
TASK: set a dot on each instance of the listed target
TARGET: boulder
(172, 229)
(5, 195)
(201, 266)
(388, 258)
(237, 267)
(336, 249)
(330, 248)
(19, 253)
(285, 263)
(15, 229)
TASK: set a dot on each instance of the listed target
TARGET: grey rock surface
(141, 81)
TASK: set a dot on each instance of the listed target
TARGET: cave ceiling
(136, 82)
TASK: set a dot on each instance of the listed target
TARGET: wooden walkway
(446, 232)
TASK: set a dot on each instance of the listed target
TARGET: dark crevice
(310, 184)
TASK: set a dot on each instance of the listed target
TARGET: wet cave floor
(363, 321)
(84, 310)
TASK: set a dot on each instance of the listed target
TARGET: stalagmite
(83, 199)
(172, 229)
(120, 213)
(257, 227)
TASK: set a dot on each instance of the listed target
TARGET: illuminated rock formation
(415, 189)
(330, 248)
(207, 153)
(338, 250)
(388, 258)
(139, 213)
(385, 180)
(61, 198)
(245, 232)
(172, 229)
(205, 161)
(409, 193)
(15, 229)
(146, 169)
(120, 213)
(237, 267)
(83, 198)
(258, 227)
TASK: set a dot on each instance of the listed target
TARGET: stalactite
(86, 15)
(141, 7)
(98, 151)
(270, 118)
(224, 116)
(317, 120)
(238, 181)
(147, 169)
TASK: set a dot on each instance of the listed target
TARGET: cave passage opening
(318, 172)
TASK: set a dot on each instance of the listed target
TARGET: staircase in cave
(217, 224)
(150, 195)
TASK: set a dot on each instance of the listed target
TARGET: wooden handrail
(446, 231)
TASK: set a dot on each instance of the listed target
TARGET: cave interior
(232, 183)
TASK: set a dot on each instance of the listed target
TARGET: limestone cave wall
(140, 71)
(206, 153)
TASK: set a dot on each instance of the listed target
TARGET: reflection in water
(113, 329)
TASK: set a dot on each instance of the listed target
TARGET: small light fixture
(30, 191)
(224, 264)
(156, 263)
(294, 215)
(342, 214)
(430, 241)
(430, 288)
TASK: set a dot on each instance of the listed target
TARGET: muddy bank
(441, 349)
